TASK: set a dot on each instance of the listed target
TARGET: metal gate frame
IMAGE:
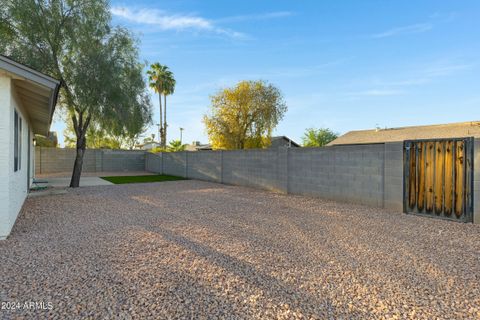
(468, 168)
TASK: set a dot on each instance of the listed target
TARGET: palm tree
(157, 78)
(176, 145)
(168, 89)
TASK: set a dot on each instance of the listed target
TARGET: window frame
(17, 141)
(20, 138)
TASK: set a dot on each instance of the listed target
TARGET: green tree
(162, 81)
(50, 141)
(96, 138)
(176, 145)
(159, 149)
(318, 137)
(149, 139)
(99, 138)
(169, 89)
(96, 63)
(244, 116)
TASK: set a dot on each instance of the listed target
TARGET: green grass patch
(141, 179)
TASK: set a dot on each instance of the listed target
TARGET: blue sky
(345, 65)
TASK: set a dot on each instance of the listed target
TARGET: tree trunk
(77, 167)
(80, 131)
(160, 128)
(165, 120)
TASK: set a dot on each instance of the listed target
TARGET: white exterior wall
(13, 185)
(5, 137)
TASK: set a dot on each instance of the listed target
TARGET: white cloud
(253, 17)
(376, 93)
(422, 75)
(444, 16)
(164, 21)
(177, 22)
(271, 74)
(447, 69)
(411, 29)
(425, 75)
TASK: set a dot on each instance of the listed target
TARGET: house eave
(34, 87)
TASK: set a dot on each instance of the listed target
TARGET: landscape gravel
(198, 250)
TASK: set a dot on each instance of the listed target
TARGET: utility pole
(181, 134)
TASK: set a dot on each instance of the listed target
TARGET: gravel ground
(197, 250)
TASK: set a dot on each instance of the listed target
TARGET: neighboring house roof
(197, 146)
(37, 92)
(148, 145)
(439, 131)
(207, 146)
(283, 141)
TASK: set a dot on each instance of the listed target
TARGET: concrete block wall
(282, 169)
(205, 165)
(310, 172)
(345, 173)
(54, 160)
(59, 160)
(253, 168)
(393, 181)
(121, 160)
(175, 163)
(365, 174)
(359, 174)
(153, 162)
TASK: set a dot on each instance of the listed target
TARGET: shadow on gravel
(273, 288)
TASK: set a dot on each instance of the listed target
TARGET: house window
(17, 142)
(20, 135)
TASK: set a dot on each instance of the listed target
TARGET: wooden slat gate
(438, 178)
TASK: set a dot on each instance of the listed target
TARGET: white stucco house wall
(27, 103)
(148, 146)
